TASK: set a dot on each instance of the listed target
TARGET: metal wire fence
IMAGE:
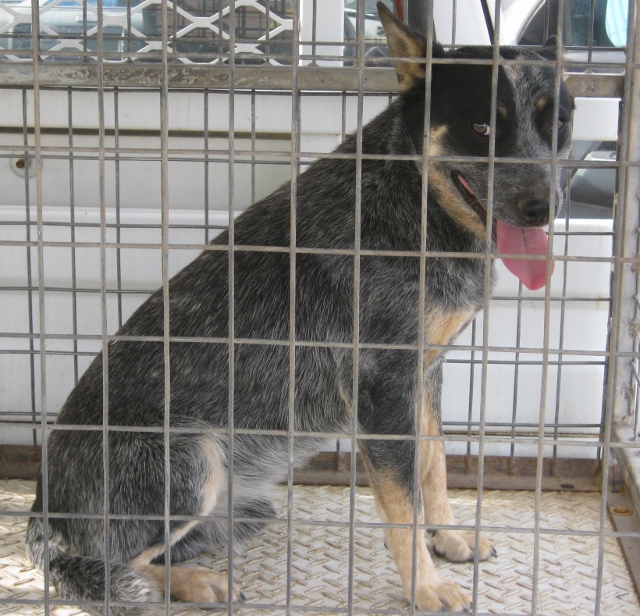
(136, 132)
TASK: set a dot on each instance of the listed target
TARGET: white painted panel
(471, 28)
(585, 323)
(596, 119)
(329, 28)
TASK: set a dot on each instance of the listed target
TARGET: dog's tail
(82, 578)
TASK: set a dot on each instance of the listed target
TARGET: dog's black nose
(536, 211)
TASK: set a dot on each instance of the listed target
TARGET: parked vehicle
(68, 24)
(595, 38)
(590, 33)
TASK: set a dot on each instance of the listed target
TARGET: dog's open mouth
(471, 199)
(530, 241)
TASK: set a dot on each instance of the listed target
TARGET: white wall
(585, 322)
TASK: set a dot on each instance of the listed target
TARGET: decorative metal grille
(198, 31)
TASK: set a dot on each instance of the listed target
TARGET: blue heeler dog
(388, 401)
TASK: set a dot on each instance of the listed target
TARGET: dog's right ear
(548, 50)
(404, 42)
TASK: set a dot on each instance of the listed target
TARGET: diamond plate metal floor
(566, 576)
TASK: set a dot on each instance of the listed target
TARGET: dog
(392, 397)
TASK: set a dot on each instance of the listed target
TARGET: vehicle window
(374, 37)
(616, 22)
(609, 23)
(369, 5)
(198, 30)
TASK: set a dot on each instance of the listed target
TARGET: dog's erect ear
(405, 42)
(549, 49)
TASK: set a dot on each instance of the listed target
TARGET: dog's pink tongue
(519, 241)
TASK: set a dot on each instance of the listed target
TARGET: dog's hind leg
(82, 578)
(250, 517)
(80, 568)
(190, 546)
(192, 584)
(257, 512)
(454, 545)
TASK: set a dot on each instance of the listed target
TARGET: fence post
(622, 381)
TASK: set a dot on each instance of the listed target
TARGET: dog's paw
(199, 585)
(443, 595)
(458, 546)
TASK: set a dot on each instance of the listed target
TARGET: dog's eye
(560, 126)
(481, 128)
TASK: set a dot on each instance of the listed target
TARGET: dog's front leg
(454, 545)
(390, 465)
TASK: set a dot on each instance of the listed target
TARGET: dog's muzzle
(536, 212)
(528, 240)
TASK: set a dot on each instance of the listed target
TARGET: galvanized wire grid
(620, 359)
(321, 555)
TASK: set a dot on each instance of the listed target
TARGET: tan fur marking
(408, 74)
(211, 489)
(542, 103)
(442, 327)
(456, 546)
(403, 44)
(346, 398)
(436, 136)
(192, 584)
(394, 507)
(197, 585)
(452, 201)
(502, 110)
(433, 469)
(157, 550)
(217, 480)
(432, 591)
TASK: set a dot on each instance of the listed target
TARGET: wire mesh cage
(137, 136)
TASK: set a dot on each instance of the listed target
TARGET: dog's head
(459, 126)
